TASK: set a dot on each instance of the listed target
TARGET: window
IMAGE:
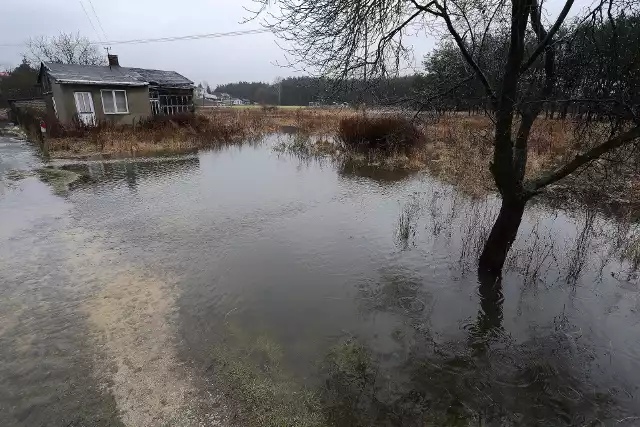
(84, 103)
(114, 102)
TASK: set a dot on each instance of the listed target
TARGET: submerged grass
(250, 374)
(59, 179)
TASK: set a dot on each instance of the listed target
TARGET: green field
(287, 107)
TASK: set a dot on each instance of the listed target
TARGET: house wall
(137, 98)
(57, 95)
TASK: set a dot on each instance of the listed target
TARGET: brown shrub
(389, 135)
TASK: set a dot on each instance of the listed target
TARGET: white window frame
(113, 96)
(55, 108)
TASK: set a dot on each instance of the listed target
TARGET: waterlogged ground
(246, 287)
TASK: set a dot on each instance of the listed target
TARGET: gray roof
(119, 76)
(162, 78)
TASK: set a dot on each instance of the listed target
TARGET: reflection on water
(353, 168)
(247, 287)
(129, 171)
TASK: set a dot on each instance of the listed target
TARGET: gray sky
(249, 57)
(220, 60)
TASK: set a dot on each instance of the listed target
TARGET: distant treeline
(588, 67)
(305, 90)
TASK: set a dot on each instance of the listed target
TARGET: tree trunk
(502, 236)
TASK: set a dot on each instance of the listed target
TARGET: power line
(165, 39)
(190, 37)
(89, 19)
(98, 19)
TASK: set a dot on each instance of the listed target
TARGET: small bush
(389, 135)
(179, 120)
(30, 119)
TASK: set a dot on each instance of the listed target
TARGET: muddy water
(200, 290)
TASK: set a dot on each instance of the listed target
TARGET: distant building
(112, 93)
(199, 92)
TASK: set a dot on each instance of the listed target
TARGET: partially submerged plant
(406, 229)
(387, 135)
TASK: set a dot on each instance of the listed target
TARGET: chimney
(113, 61)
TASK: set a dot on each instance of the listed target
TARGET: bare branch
(66, 48)
(467, 56)
(426, 7)
(584, 159)
(549, 36)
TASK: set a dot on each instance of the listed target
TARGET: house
(112, 93)
(222, 95)
(199, 92)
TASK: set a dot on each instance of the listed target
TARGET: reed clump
(385, 135)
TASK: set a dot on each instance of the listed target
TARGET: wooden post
(44, 142)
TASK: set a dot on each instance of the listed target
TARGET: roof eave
(174, 87)
(100, 83)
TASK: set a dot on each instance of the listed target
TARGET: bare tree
(341, 37)
(66, 48)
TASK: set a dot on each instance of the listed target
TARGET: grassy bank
(176, 134)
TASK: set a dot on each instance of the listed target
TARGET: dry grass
(461, 149)
(309, 120)
(184, 133)
(175, 134)
(457, 149)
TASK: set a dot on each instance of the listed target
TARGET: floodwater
(248, 287)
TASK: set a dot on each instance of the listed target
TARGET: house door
(84, 106)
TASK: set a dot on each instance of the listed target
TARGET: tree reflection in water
(486, 379)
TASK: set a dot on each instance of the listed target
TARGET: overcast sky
(220, 60)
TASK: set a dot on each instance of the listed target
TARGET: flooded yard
(243, 286)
